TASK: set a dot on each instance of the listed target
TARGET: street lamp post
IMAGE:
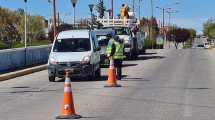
(25, 23)
(91, 13)
(54, 18)
(74, 5)
(25, 32)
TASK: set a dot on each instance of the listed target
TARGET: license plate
(127, 50)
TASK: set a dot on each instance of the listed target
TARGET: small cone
(112, 82)
(67, 108)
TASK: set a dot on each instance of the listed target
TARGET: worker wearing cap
(115, 51)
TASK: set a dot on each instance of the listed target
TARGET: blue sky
(192, 13)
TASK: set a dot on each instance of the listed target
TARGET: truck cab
(104, 36)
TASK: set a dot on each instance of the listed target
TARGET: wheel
(98, 74)
(52, 78)
(135, 56)
(91, 76)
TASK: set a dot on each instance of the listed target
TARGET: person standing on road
(115, 51)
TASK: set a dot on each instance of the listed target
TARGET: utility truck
(134, 45)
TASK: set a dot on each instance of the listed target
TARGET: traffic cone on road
(112, 81)
(67, 108)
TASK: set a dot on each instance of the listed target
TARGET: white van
(77, 50)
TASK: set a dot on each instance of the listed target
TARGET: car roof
(74, 34)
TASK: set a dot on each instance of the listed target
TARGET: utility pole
(152, 8)
(54, 17)
(133, 6)
(164, 33)
(112, 15)
(163, 17)
(58, 19)
(152, 15)
(139, 10)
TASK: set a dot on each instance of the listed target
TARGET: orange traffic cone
(112, 82)
(67, 108)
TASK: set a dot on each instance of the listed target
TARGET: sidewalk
(18, 73)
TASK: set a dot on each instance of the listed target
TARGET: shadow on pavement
(150, 53)
(79, 79)
(135, 79)
(33, 91)
(128, 65)
(150, 57)
(143, 57)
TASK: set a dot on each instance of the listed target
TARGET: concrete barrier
(14, 59)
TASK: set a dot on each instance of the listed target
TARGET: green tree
(178, 35)
(36, 27)
(150, 26)
(100, 8)
(12, 26)
(209, 28)
(8, 30)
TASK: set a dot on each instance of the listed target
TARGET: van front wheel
(52, 78)
(91, 76)
(98, 74)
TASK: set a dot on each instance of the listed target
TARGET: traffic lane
(181, 87)
(189, 75)
(33, 97)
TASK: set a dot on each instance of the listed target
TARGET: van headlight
(126, 39)
(85, 59)
(52, 61)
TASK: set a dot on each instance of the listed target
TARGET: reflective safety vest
(119, 51)
(109, 47)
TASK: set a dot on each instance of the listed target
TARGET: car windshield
(72, 45)
(122, 31)
(102, 40)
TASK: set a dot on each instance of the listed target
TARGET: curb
(15, 74)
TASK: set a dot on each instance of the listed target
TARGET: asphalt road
(161, 85)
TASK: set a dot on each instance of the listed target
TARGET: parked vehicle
(207, 45)
(77, 50)
(200, 46)
(103, 37)
(133, 47)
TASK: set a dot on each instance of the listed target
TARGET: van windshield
(122, 31)
(102, 40)
(72, 45)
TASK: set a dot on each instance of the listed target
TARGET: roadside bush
(148, 44)
(3, 46)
